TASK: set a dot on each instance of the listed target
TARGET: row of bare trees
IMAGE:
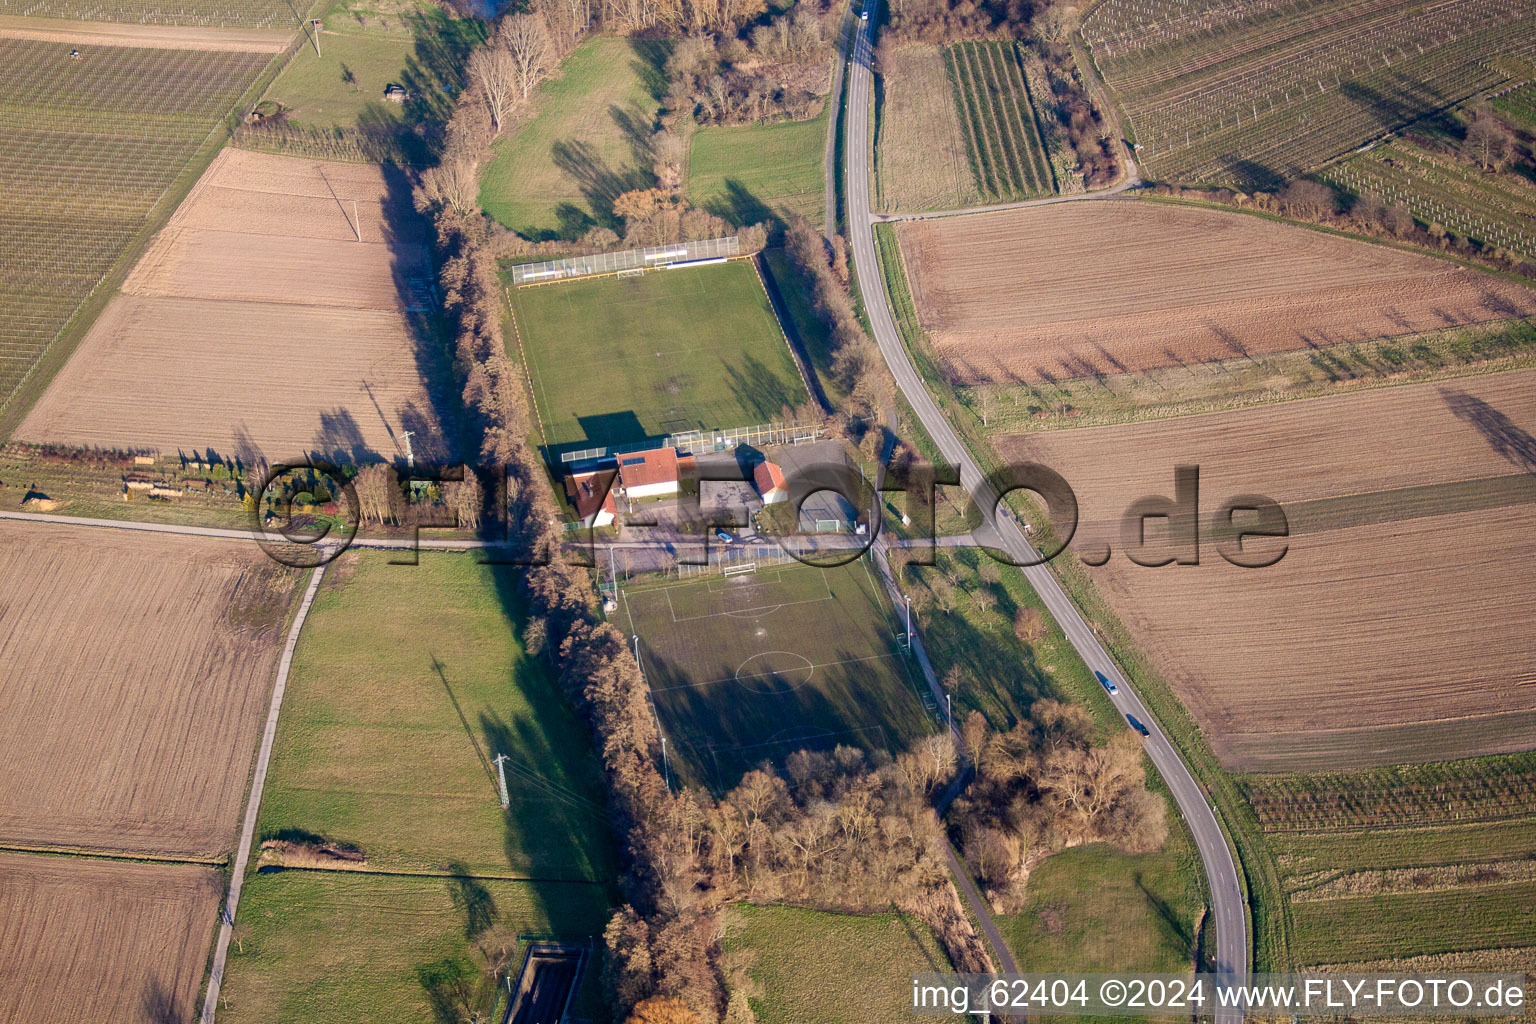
(857, 366)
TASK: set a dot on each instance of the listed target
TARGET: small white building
(769, 479)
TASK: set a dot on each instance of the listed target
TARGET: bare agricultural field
(1398, 626)
(134, 674)
(1301, 451)
(278, 310)
(921, 161)
(145, 37)
(1069, 291)
(88, 940)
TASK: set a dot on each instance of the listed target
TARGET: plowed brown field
(258, 320)
(85, 940)
(1068, 291)
(1400, 625)
(134, 674)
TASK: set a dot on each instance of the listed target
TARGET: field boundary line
(95, 853)
(738, 612)
(804, 367)
(253, 804)
(736, 678)
(522, 356)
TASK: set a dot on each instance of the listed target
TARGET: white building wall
(651, 490)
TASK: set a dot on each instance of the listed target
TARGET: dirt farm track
(134, 674)
(274, 313)
(1068, 291)
(1401, 623)
(90, 940)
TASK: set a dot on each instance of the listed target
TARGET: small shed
(769, 479)
(395, 93)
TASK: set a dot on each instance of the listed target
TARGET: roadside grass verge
(407, 682)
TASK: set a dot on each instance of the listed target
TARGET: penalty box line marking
(737, 679)
(738, 612)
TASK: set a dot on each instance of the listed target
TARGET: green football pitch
(615, 360)
(752, 667)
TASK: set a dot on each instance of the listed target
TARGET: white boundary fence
(712, 249)
(695, 442)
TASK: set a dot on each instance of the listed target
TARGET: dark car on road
(1135, 724)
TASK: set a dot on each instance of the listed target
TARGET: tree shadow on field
(436, 427)
(599, 183)
(1250, 175)
(738, 206)
(651, 65)
(637, 125)
(472, 899)
(1176, 932)
(1502, 433)
(761, 392)
(159, 1004)
(340, 440)
(547, 823)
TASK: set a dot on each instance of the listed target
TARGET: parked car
(1109, 684)
(723, 537)
(1137, 725)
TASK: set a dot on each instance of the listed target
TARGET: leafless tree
(1398, 220)
(525, 38)
(467, 500)
(1488, 144)
(495, 70)
(452, 183)
(1307, 200)
(373, 487)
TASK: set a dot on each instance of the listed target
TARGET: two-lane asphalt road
(1229, 906)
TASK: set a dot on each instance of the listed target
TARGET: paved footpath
(253, 803)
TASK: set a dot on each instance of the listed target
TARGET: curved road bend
(1229, 906)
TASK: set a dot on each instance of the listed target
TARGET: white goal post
(737, 570)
